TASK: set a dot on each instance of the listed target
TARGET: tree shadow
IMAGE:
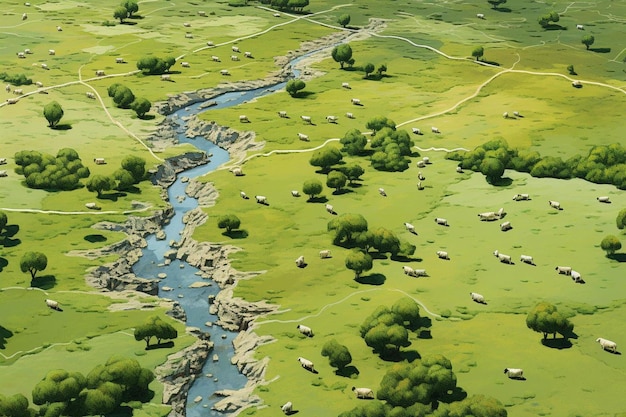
(600, 50)
(317, 200)
(410, 355)
(494, 63)
(560, 343)
(147, 117)
(619, 257)
(236, 234)
(4, 335)
(501, 182)
(64, 126)
(425, 323)
(112, 196)
(3, 263)
(162, 345)
(425, 334)
(377, 255)
(132, 189)
(45, 282)
(355, 184)
(128, 23)
(372, 279)
(95, 238)
(501, 9)
(347, 371)
(404, 258)
(136, 17)
(342, 191)
(303, 94)
(457, 394)
(555, 27)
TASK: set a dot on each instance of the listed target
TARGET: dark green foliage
(3, 221)
(544, 318)
(381, 69)
(155, 327)
(136, 166)
(121, 13)
(151, 65)
(100, 183)
(312, 188)
(344, 20)
(409, 312)
(53, 112)
(496, 3)
(620, 220)
(377, 123)
(478, 53)
(390, 159)
(293, 5)
(336, 180)
(353, 142)
(352, 172)
(338, 355)
(33, 262)
(588, 40)
(44, 171)
(131, 6)
(342, 54)
(385, 330)
(58, 386)
(570, 70)
(346, 227)
(368, 69)
(141, 106)
(294, 86)
(124, 179)
(15, 406)
(325, 158)
(547, 19)
(358, 262)
(122, 95)
(15, 79)
(492, 168)
(610, 244)
(228, 222)
(474, 406)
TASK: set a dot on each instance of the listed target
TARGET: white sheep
(306, 364)
(44, 66)
(330, 209)
(521, 197)
(517, 114)
(527, 259)
(577, 277)
(480, 15)
(234, 58)
(247, 54)
(3, 161)
(555, 204)
(410, 228)
(420, 186)
(295, 193)
(119, 60)
(565, 270)
(53, 304)
(92, 206)
(442, 254)
(215, 58)
(434, 129)
(201, 13)
(209, 43)
(244, 119)
(59, 29)
(506, 259)
(18, 91)
(28, 51)
(365, 393)
(24, 16)
(426, 160)
(99, 73)
(11, 101)
(416, 131)
(382, 192)
(165, 77)
(90, 95)
(21, 55)
(305, 330)
(478, 298)
(577, 84)
(355, 101)
(604, 199)
(276, 15)
(282, 114)
(300, 261)
(419, 273)
(185, 64)
(51, 52)
(408, 270)
(261, 199)
(350, 115)
(306, 119)
(188, 35)
(459, 170)
(607, 344)
(500, 213)
(237, 171)
(325, 254)
(506, 226)
(441, 221)
(514, 373)
(505, 114)
(287, 408)
(303, 137)
(235, 49)
(7, 88)
(243, 195)
(580, 27)
(331, 119)
(421, 164)
(187, 24)
(421, 176)
(345, 85)
(224, 72)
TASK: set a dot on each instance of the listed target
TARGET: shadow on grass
(136, 17)
(403, 258)
(64, 126)
(494, 63)
(128, 23)
(95, 238)
(132, 189)
(600, 50)
(410, 355)
(45, 282)
(342, 191)
(425, 334)
(292, 412)
(3, 263)
(424, 323)
(348, 371)
(372, 279)
(303, 94)
(616, 352)
(354, 184)
(457, 394)
(112, 196)
(236, 234)
(555, 27)
(317, 200)
(147, 117)
(162, 345)
(560, 343)
(6, 333)
(377, 255)
(619, 257)
(501, 9)
(501, 182)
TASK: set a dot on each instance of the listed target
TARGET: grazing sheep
(90, 95)
(3, 173)
(410, 228)
(243, 195)
(99, 161)
(577, 84)
(408, 270)
(421, 176)
(478, 298)
(234, 58)
(244, 119)
(295, 193)
(7, 88)
(419, 273)
(119, 60)
(506, 259)
(201, 13)
(325, 254)
(235, 48)
(224, 72)
(188, 35)
(237, 171)
(580, 27)
(330, 209)
(521, 197)
(416, 131)
(488, 216)
(426, 160)
(247, 54)
(500, 213)
(607, 344)
(99, 73)
(459, 170)
(187, 24)
(345, 85)
(517, 114)
(24, 16)
(505, 115)
(51, 52)
(44, 66)
(565, 270)
(421, 164)
(21, 55)
(282, 114)
(303, 137)
(185, 64)
(276, 15)
(209, 43)
(420, 186)
(480, 15)
(27, 4)
(350, 115)
(604, 199)
(92, 206)
(165, 77)
(331, 119)
(527, 259)
(514, 373)
(305, 330)
(11, 101)
(382, 192)
(215, 58)
(287, 408)
(59, 29)
(434, 130)
(306, 119)
(261, 199)
(576, 277)
(505, 226)
(28, 51)
(442, 255)
(555, 204)
(355, 101)
(3, 161)
(365, 393)
(441, 221)
(53, 304)
(18, 91)
(306, 364)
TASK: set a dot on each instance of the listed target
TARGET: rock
(184, 179)
(215, 357)
(166, 288)
(161, 275)
(197, 399)
(181, 296)
(160, 235)
(209, 324)
(200, 284)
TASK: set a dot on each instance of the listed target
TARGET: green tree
(312, 188)
(425, 381)
(131, 6)
(352, 172)
(385, 241)
(544, 318)
(100, 183)
(474, 406)
(325, 158)
(3, 221)
(381, 69)
(353, 142)
(346, 227)
(294, 86)
(342, 54)
(33, 262)
(344, 20)
(620, 220)
(379, 122)
(336, 180)
(496, 3)
(588, 40)
(547, 19)
(136, 166)
(492, 168)
(228, 222)
(387, 339)
(570, 70)
(338, 355)
(123, 97)
(102, 400)
(15, 406)
(124, 179)
(152, 65)
(155, 327)
(359, 262)
(59, 386)
(390, 159)
(53, 112)
(478, 53)
(121, 13)
(409, 312)
(141, 106)
(368, 69)
(610, 244)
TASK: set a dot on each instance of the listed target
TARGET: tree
(336, 180)
(59, 386)
(381, 69)
(123, 97)
(155, 327)
(353, 142)
(344, 20)
(385, 241)
(588, 40)
(121, 13)
(610, 244)
(620, 220)
(131, 6)
(387, 339)
(136, 166)
(124, 179)
(342, 54)
(3, 221)
(102, 400)
(478, 53)
(312, 188)
(294, 86)
(570, 70)
(379, 122)
(547, 19)
(122, 379)
(368, 69)
(325, 158)
(496, 3)
(53, 112)
(544, 318)
(100, 183)
(352, 172)
(338, 355)
(409, 312)
(474, 406)
(426, 382)
(228, 222)
(15, 406)
(346, 226)
(33, 262)
(141, 106)
(358, 262)
(153, 65)
(493, 169)
(390, 159)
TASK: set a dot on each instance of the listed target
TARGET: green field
(432, 80)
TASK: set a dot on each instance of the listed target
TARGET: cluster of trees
(391, 147)
(157, 328)
(294, 86)
(605, 164)
(53, 112)
(368, 69)
(151, 65)
(291, 5)
(545, 318)
(44, 171)
(15, 79)
(126, 10)
(124, 98)
(547, 19)
(338, 355)
(337, 177)
(131, 172)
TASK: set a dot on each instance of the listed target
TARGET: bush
(15, 79)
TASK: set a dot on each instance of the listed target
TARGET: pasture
(431, 80)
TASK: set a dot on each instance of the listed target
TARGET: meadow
(431, 80)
